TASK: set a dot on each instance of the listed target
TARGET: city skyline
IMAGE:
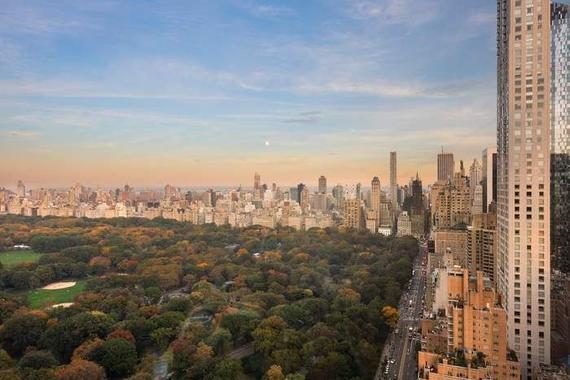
(285, 190)
(165, 104)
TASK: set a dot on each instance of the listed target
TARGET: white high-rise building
(523, 190)
(477, 207)
(475, 174)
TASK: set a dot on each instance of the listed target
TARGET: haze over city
(208, 92)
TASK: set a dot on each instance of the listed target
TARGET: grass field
(12, 258)
(39, 298)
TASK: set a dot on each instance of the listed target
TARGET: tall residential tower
(523, 162)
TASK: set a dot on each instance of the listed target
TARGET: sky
(207, 92)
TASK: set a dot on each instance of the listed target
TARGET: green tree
(20, 332)
(227, 369)
(117, 356)
(37, 360)
(5, 360)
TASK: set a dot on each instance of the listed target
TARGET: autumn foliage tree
(80, 369)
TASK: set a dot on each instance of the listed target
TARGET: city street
(399, 353)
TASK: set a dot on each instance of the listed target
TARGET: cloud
(21, 17)
(361, 88)
(266, 10)
(397, 90)
(393, 12)
(310, 117)
(49, 117)
(21, 133)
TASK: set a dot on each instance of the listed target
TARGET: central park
(140, 299)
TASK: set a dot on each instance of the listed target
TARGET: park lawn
(13, 258)
(40, 298)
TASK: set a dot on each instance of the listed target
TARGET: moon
(266, 143)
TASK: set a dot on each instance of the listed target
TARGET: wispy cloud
(405, 12)
(309, 117)
(263, 9)
(22, 17)
(21, 133)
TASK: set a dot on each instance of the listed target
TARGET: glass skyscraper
(560, 137)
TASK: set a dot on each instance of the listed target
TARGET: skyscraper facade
(481, 245)
(393, 180)
(445, 167)
(303, 196)
(523, 162)
(560, 138)
(338, 195)
(475, 174)
(376, 197)
(489, 177)
(353, 217)
(256, 181)
(21, 189)
(417, 206)
(322, 184)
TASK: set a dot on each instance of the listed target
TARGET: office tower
(445, 167)
(322, 184)
(523, 181)
(475, 174)
(476, 328)
(294, 194)
(481, 245)
(371, 221)
(338, 195)
(477, 207)
(256, 181)
(353, 216)
(303, 196)
(489, 177)
(394, 180)
(358, 191)
(21, 190)
(319, 202)
(417, 196)
(385, 215)
(404, 224)
(171, 192)
(211, 197)
(560, 138)
(376, 197)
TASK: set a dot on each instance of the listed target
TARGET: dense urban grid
(464, 278)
